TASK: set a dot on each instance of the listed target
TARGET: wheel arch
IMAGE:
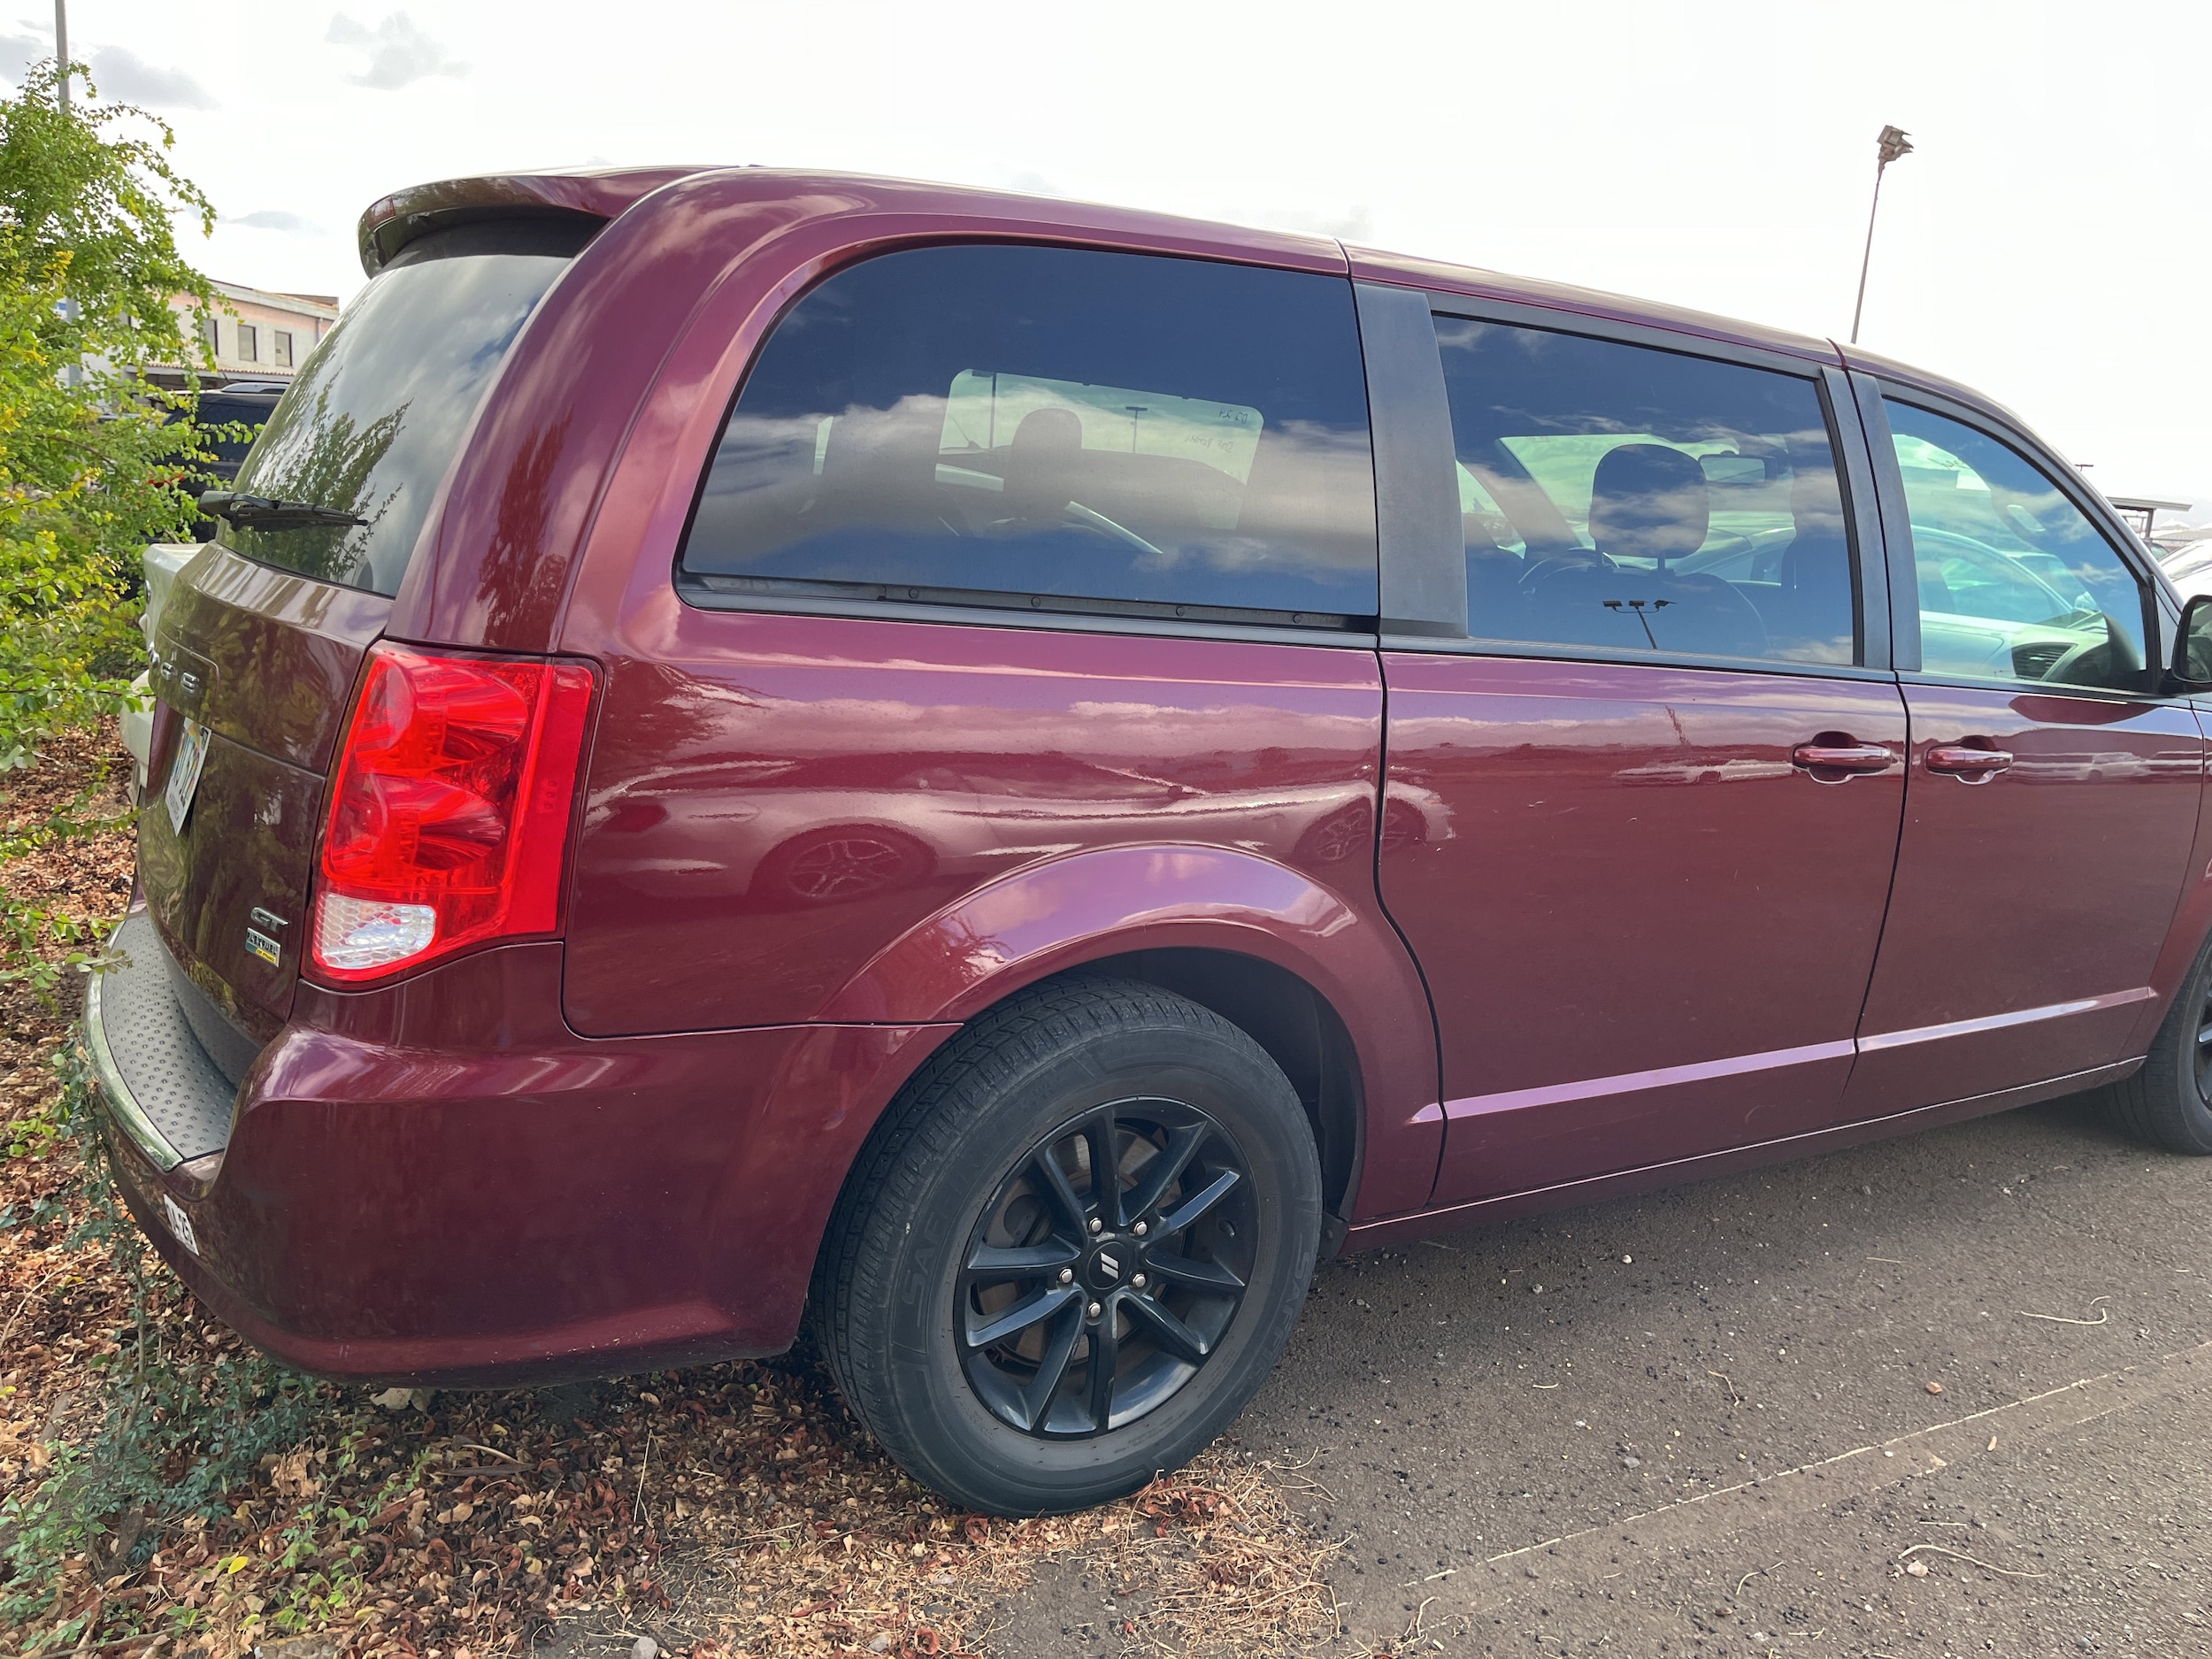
(1313, 976)
(1292, 1022)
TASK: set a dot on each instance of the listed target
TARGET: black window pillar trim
(1861, 504)
(1896, 524)
(1421, 543)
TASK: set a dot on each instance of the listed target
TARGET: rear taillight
(450, 810)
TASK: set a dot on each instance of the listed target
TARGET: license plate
(184, 773)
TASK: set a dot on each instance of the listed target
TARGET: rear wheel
(1074, 1249)
(2168, 1102)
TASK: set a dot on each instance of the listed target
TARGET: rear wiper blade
(266, 512)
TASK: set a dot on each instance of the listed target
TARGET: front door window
(2014, 581)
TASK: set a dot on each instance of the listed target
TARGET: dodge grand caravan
(1003, 774)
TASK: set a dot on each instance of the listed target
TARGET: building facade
(257, 333)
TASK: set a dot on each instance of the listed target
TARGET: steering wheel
(2066, 671)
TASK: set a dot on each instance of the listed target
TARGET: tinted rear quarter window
(378, 412)
(1042, 427)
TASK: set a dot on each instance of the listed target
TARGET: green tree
(92, 456)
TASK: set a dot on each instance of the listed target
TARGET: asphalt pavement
(1949, 1395)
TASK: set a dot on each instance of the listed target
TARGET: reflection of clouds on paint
(1109, 733)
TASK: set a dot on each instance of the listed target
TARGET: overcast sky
(2048, 242)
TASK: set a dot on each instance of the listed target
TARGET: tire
(2168, 1102)
(957, 1276)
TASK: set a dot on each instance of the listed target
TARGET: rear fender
(1057, 916)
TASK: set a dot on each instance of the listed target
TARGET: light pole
(1892, 144)
(61, 46)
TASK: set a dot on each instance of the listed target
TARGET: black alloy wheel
(1073, 1247)
(2203, 1048)
(1106, 1269)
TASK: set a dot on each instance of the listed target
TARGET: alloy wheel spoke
(2204, 1038)
(995, 1264)
(1053, 1370)
(1182, 1147)
(1060, 1190)
(1196, 1204)
(1209, 1277)
(1008, 1321)
(1168, 1331)
(1105, 1168)
(1105, 1356)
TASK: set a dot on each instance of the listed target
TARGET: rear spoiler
(583, 200)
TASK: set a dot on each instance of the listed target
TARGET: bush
(92, 456)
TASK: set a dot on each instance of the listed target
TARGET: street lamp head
(1892, 143)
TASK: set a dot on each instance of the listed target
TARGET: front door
(1660, 785)
(2052, 799)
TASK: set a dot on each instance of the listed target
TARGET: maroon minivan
(1007, 772)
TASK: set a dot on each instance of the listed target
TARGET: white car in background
(2185, 555)
(163, 560)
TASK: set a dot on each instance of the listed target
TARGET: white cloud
(121, 73)
(276, 218)
(400, 53)
(18, 52)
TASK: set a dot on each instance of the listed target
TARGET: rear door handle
(1841, 758)
(1969, 762)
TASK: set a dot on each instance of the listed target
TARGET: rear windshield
(378, 410)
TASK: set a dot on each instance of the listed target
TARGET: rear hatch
(256, 652)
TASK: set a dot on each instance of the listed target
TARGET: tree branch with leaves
(94, 457)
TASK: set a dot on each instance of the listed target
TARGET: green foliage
(92, 456)
(88, 470)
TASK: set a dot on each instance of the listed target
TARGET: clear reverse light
(356, 933)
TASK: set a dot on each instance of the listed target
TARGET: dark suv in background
(241, 408)
(1006, 772)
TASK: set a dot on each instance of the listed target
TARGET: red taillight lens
(448, 810)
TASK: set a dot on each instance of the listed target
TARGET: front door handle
(1969, 762)
(1833, 759)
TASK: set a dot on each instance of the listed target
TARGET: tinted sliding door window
(1053, 429)
(1638, 500)
(2016, 582)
